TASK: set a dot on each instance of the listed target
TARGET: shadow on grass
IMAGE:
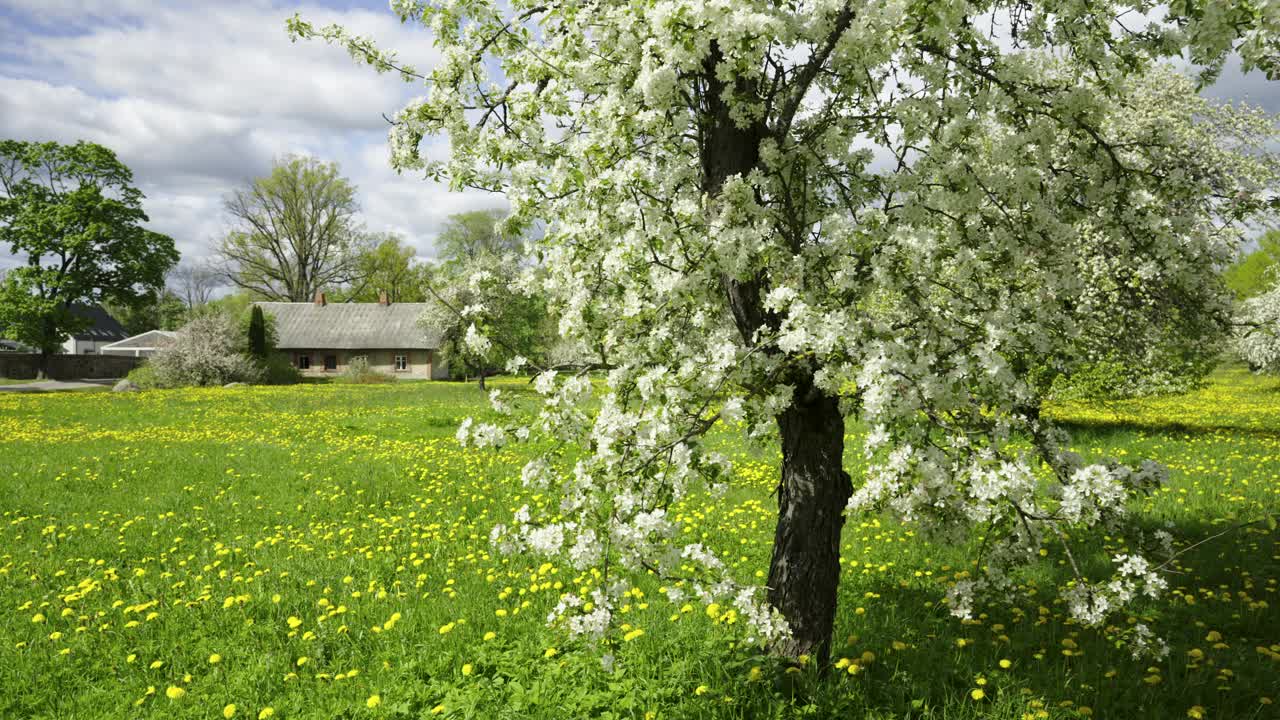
(1214, 615)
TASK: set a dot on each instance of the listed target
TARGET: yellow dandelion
(266, 713)
(374, 701)
(214, 659)
(977, 693)
(550, 653)
(229, 711)
(174, 692)
(467, 669)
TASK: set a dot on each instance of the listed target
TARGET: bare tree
(195, 282)
(293, 231)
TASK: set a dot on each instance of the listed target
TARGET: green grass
(169, 526)
(12, 381)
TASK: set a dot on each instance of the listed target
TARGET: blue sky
(199, 97)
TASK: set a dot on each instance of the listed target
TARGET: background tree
(386, 264)
(195, 282)
(474, 234)
(766, 204)
(1257, 270)
(159, 310)
(72, 213)
(294, 232)
(1257, 326)
(484, 320)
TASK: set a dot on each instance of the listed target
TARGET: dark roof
(350, 326)
(148, 340)
(102, 328)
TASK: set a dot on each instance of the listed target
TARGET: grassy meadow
(321, 551)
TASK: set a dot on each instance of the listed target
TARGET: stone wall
(23, 366)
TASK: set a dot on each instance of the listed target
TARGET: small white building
(141, 345)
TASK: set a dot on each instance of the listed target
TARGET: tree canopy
(476, 233)
(72, 214)
(1257, 270)
(385, 264)
(294, 231)
(786, 214)
(485, 318)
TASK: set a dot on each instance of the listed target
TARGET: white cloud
(197, 100)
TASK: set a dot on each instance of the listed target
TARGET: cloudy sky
(199, 98)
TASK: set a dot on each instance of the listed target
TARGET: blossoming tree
(1257, 339)
(787, 214)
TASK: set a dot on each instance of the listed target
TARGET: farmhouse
(322, 338)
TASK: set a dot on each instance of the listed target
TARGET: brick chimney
(319, 298)
(382, 298)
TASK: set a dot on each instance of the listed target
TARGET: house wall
(83, 347)
(420, 362)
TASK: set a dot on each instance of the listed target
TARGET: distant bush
(279, 371)
(1114, 380)
(206, 351)
(144, 376)
(358, 372)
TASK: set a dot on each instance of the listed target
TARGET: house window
(402, 362)
(304, 362)
(330, 362)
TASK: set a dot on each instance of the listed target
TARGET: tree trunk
(814, 488)
(804, 572)
(482, 379)
(42, 370)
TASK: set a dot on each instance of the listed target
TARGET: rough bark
(804, 573)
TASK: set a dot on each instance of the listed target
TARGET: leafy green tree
(484, 323)
(161, 310)
(386, 265)
(1258, 270)
(72, 213)
(474, 234)
(294, 232)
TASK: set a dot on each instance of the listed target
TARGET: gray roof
(148, 340)
(350, 326)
